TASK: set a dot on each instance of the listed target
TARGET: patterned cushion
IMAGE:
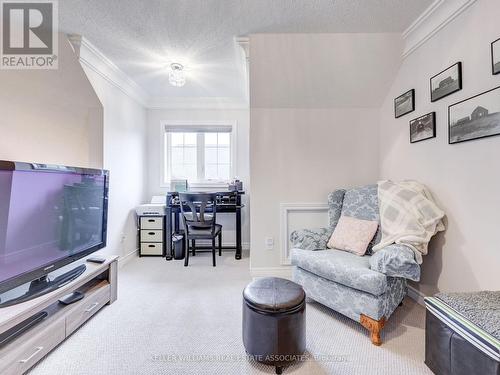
(310, 239)
(341, 267)
(362, 203)
(353, 235)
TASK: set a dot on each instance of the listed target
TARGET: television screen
(48, 216)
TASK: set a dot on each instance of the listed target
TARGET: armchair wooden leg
(374, 326)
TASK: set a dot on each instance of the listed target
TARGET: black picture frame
(469, 121)
(411, 95)
(450, 87)
(495, 66)
(424, 120)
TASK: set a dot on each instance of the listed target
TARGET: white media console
(98, 283)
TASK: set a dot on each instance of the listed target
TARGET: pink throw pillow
(353, 235)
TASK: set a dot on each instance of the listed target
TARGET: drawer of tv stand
(95, 299)
(19, 356)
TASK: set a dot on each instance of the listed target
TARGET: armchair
(366, 288)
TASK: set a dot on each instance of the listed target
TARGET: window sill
(211, 185)
(202, 185)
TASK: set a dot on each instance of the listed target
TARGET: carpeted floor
(174, 320)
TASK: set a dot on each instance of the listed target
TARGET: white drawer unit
(151, 235)
(150, 248)
(152, 223)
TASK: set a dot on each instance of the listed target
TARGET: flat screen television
(50, 216)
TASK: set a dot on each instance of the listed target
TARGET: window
(183, 155)
(217, 156)
(200, 154)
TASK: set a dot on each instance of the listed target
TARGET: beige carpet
(174, 320)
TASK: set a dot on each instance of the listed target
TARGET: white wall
(51, 116)
(125, 157)
(240, 117)
(300, 155)
(322, 70)
(463, 177)
(314, 102)
(57, 117)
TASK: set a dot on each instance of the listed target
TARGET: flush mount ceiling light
(177, 76)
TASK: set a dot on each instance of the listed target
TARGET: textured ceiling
(142, 37)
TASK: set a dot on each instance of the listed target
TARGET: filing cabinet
(151, 235)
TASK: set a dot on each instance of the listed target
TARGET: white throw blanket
(408, 215)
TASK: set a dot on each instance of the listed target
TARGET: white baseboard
(245, 246)
(123, 260)
(416, 295)
(284, 272)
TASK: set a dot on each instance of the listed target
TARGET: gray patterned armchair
(366, 288)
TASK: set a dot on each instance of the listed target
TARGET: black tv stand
(44, 285)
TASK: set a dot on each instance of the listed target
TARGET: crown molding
(197, 103)
(95, 60)
(244, 43)
(431, 21)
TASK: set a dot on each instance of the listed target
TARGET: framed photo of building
(404, 103)
(446, 82)
(423, 127)
(495, 56)
(476, 117)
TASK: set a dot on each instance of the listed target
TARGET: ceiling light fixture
(177, 76)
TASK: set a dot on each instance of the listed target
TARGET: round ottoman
(274, 324)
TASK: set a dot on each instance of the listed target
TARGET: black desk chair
(199, 213)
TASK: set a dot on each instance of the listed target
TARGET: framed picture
(404, 103)
(447, 82)
(495, 56)
(476, 117)
(423, 127)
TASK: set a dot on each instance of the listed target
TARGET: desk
(228, 202)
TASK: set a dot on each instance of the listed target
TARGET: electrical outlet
(123, 238)
(269, 243)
